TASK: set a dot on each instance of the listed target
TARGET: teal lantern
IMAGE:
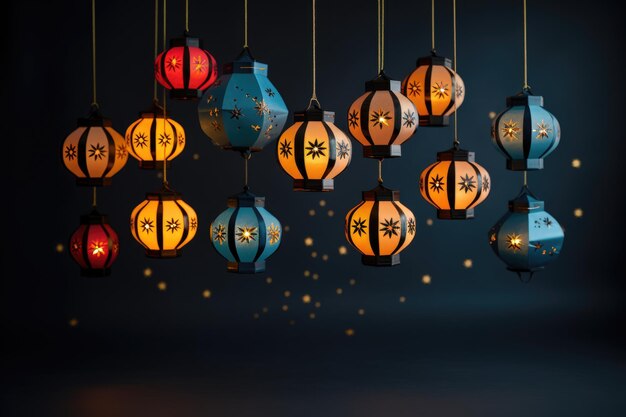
(242, 110)
(246, 234)
(527, 237)
(525, 132)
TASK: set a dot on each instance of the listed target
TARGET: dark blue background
(475, 342)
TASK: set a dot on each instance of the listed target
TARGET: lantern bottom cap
(387, 260)
(186, 94)
(163, 254)
(95, 272)
(455, 214)
(382, 151)
(314, 185)
(524, 164)
(528, 270)
(246, 267)
(154, 164)
(94, 182)
(434, 121)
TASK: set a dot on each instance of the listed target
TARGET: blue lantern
(527, 237)
(242, 110)
(525, 132)
(246, 234)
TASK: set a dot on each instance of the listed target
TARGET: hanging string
(314, 94)
(380, 170)
(93, 202)
(246, 157)
(381, 35)
(525, 178)
(156, 42)
(93, 48)
(186, 16)
(432, 25)
(378, 37)
(456, 110)
(164, 24)
(245, 23)
(526, 86)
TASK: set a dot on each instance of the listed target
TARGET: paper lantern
(525, 132)
(527, 237)
(455, 184)
(163, 223)
(94, 152)
(94, 245)
(435, 89)
(152, 138)
(313, 151)
(380, 227)
(242, 110)
(246, 234)
(382, 118)
(186, 69)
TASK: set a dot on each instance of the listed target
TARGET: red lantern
(94, 245)
(186, 69)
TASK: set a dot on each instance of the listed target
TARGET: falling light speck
(285, 307)
(316, 276)
(268, 280)
(429, 222)
(317, 304)
(349, 332)
(73, 322)
(256, 316)
(159, 175)
(312, 212)
(59, 247)
(492, 115)
(352, 281)
(361, 311)
(468, 263)
(578, 212)
(147, 272)
(331, 213)
(286, 228)
(196, 156)
(576, 163)
(308, 241)
(206, 294)
(287, 293)
(306, 298)
(162, 286)
(343, 250)
(322, 203)
(292, 322)
(339, 291)
(311, 316)
(402, 298)
(426, 279)
(314, 254)
(324, 257)
(307, 273)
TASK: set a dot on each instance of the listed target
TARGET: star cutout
(164, 139)
(97, 248)
(141, 140)
(415, 88)
(436, 183)
(273, 231)
(147, 225)
(440, 90)
(236, 113)
(246, 234)
(76, 246)
(193, 223)
(121, 151)
(538, 246)
(486, 184)
(97, 152)
(343, 150)
(181, 139)
(173, 63)
(510, 130)
(459, 91)
(390, 228)
(219, 233)
(380, 118)
(285, 149)
(353, 118)
(172, 225)
(359, 226)
(543, 130)
(216, 125)
(467, 183)
(514, 241)
(268, 131)
(256, 128)
(270, 92)
(411, 225)
(199, 64)
(70, 152)
(409, 118)
(547, 221)
(315, 149)
(261, 107)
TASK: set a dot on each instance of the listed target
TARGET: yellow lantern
(380, 227)
(163, 223)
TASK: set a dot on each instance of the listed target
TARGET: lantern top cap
(186, 40)
(155, 110)
(382, 82)
(94, 118)
(525, 202)
(94, 217)
(314, 113)
(246, 64)
(165, 194)
(245, 199)
(524, 98)
(381, 193)
(434, 59)
(455, 154)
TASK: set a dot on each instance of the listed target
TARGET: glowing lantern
(380, 227)
(242, 110)
(435, 89)
(163, 224)
(94, 152)
(94, 245)
(246, 234)
(382, 118)
(525, 132)
(455, 184)
(186, 69)
(527, 237)
(313, 151)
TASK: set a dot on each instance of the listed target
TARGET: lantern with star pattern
(246, 234)
(94, 245)
(525, 132)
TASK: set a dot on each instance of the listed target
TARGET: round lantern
(242, 110)
(186, 69)
(435, 89)
(527, 237)
(380, 227)
(455, 184)
(382, 118)
(313, 150)
(94, 245)
(525, 132)
(152, 139)
(94, 152)
(246, 234)
(163, 223)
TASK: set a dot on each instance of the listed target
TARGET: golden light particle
(576, 163)
(268, 280)
(426, 279)
(312, 212)
(286, 228)
(343, 250)
(468, 263)
(59, 247)
(162, 286)
(308, 241)
(429, 222)
(306, 298)
(285, 307)
(73, 322)
(352, 282)
(324, 257)
(322, 203)
(307, 273)
(330, 213)
(314, 254)
(256, 316)
(147, 272)
(578, 212)
(349, 332)
(159, 175)
(311, 316)
(316, 276)
(492, 115)
(287, 293)
(292, 322)
(206, 294)
(339, 291)
(402, 298)
(265, 310)
(361, 311)
(196, 156)
(317, 304)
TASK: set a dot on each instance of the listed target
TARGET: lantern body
(246, 234)
(525, 132)
(94, 245)
(382, 118)
(163, 223)
(380, 227)
(527, 237)
(94, 152)
(186, 69)
(455, 184)
(242, 110)
(153, 139)
(313, 151)
(435, 89)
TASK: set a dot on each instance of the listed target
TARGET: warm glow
(306, 298)
(576, 163)
(578, 212)
(426, 279)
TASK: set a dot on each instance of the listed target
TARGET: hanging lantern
(525, 132)
(186, 69)
(242, 110)
(455, 184)
(527, 237)
(246, 234)
(94, 245)
(94, 152)
(152, 139)
(382, 118)
(163, 223)
(380, 227)
(313, 151)
(435, 89)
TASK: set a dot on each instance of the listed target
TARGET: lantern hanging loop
(93, 50)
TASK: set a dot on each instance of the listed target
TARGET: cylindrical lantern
(382, 118)
(455, 184)
(163, 223)
(94, 152)
(246, 234)
(380, 227)
(313, 151)
(186, 69)
(435, 89)
(525, 132)
(527, 237)
(242, 110)
(153, 139)
(94, 245)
